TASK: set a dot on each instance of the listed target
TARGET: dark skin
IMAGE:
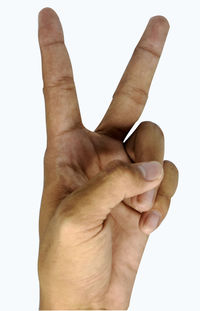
(74, 155)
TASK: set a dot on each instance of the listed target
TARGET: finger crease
(144, 48)
(46, 45)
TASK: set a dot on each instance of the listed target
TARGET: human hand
(89, 259)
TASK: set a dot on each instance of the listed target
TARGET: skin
(97, 208)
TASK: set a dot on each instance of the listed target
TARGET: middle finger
(132, 92)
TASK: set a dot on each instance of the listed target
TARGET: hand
(97, 210)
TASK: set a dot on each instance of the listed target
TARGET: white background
(100, 36)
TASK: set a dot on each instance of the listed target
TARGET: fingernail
(151, 170)
(151, 221)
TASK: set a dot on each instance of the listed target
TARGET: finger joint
(65, 83)
(132, 93)
(148, 50)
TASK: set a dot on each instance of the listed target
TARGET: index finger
(62, 111)
(132, 92)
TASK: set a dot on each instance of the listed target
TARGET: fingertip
(156, 34)
(46, 11)
(160, 20)
(150, 221)
(50, 28)
(46, 16)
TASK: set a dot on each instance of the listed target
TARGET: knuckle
(155, 128)
(162, 205)
(139, 205)
(171, 167)
(64, 217)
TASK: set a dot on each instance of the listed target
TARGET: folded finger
(151, 219)
(145, 144)
(93, 202)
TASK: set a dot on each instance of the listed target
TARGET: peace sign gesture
(90, 248)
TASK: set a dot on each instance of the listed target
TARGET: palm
(76, 157)
(75, 154)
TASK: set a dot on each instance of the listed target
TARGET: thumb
(92, 202)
